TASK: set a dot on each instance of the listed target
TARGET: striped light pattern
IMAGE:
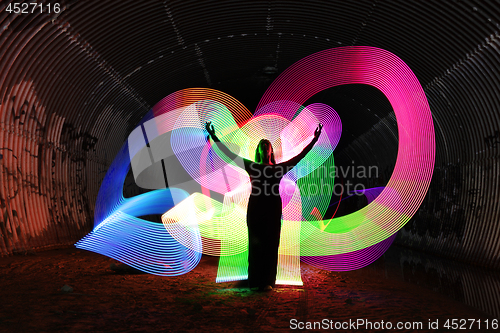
(355, 259)
(121, 234)
(404, 192)
(173, 135)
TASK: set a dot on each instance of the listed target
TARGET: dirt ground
(102, 300)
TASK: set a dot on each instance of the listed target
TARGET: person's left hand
(317, 132)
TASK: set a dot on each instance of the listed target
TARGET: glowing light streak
(195, 223)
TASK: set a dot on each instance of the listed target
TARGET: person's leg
(264, 225)
(253, 257)
(272, 253)
(256, 252)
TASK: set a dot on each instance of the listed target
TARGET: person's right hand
(210, 128)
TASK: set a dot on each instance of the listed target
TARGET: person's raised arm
(211, 130)
(296, 159)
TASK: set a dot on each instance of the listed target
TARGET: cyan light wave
(121, 234)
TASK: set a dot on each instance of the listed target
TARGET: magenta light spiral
(412, 174)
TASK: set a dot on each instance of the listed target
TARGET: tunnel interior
(77, 77)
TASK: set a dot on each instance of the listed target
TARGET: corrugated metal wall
(460, 216)
(74, 84)
(60, 130)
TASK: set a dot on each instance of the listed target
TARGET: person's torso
(265, 179)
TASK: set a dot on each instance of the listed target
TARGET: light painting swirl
(203, 195)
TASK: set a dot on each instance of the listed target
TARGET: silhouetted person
(264, 207)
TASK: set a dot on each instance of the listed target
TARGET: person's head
(264, 152)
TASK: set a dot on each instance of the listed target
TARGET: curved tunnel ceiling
(74, 84)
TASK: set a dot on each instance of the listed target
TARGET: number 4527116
(33, 7)
(464, 324)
